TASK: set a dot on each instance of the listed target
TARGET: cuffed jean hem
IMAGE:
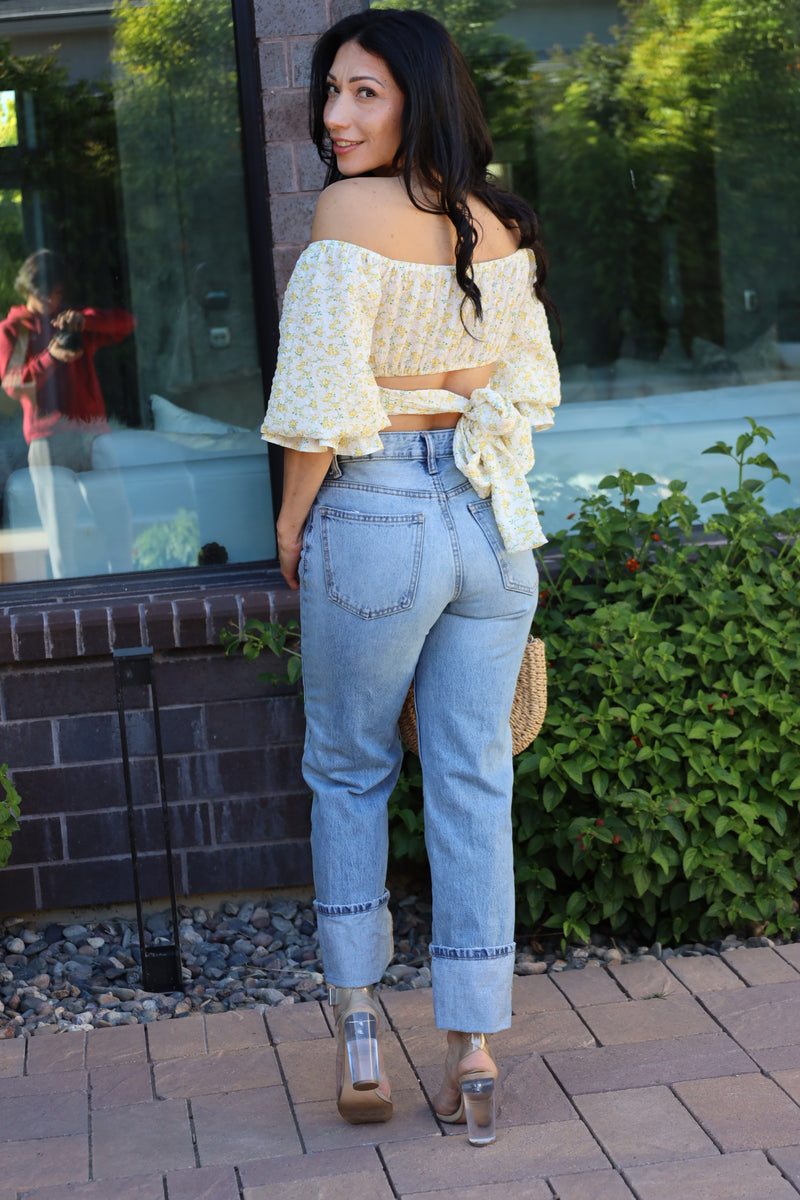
(472, 988)
(355, 941)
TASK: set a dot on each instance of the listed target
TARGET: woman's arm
(303, 473)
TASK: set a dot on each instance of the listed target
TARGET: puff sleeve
(324, 393)
(527, 373)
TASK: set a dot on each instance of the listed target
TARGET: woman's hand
(61, 355)
(289, 549)
(303, 472)
(70, 319)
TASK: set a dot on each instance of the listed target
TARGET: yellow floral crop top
(350, 314)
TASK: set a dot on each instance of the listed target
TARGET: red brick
(203, 1183)
(706, 974)
(62, 632)
(238, 1030)
(297, 1023)
(58, 1115)
(190, 621)
(746, 1112)
(759, 1017)
(322, 1128)
(177, 1039)
(643, 1125)
(592, 985)
(647, 979)
(43, 1162)
(729, 1177)
(249, 1125)
(536, 993)
(94, 631)
(761, 965)
(599, 1185)
(647, 1020)
(125, 1139)
(125, 1044)
(28, 632)
(121, 1084)
(205, 1075)
(522, 1153)
(64, 1053)
(644, 1064)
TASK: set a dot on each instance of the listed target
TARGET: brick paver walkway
(676, 1081)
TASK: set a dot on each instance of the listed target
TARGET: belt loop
(335, 471)
(431, 448)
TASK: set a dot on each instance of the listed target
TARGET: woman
(414, 358)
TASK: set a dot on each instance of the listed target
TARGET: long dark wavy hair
(445, 142)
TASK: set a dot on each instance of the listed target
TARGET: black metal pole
(161, 965)
(165, 827)
(119, 675)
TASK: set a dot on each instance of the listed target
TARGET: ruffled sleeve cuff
(324, 394)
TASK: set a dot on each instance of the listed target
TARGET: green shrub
(663, 793)
(9, 811)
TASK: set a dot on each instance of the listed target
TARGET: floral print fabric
(350, 314)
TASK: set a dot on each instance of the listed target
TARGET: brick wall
(232, 744)
(287, 30)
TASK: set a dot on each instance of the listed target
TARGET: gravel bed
(58, 977)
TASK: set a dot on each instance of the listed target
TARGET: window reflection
(660, 144)
(133, 176)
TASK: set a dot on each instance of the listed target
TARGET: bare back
(377, 214)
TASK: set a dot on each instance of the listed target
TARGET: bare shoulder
(355, 210)
(495, 240)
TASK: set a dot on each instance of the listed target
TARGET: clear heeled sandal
(358, 1065)
(477, 1088)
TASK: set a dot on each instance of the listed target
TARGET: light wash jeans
(404, 576)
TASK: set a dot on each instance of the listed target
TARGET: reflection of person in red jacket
(47, 363)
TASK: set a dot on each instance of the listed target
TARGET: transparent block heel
(477, 1092)
(361, 1043)
(476, 1089)
(358, 1062)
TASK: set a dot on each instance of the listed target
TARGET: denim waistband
(412, 444)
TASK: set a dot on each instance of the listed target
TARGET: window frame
(265, 315)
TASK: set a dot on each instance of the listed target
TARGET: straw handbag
(527, 711)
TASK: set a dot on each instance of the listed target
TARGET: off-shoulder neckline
(405, 262)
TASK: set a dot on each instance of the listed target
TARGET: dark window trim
(257, 199)
(51, 593)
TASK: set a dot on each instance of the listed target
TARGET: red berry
(616, 839)
(599, 821)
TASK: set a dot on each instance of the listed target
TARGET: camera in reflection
(69, 339)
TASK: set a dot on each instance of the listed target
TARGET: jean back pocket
(372, 561)
(518, 567)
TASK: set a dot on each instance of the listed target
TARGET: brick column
(286, 31)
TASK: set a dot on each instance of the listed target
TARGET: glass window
(659, 142)
(132, 392)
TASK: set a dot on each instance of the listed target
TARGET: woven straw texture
(527, 711)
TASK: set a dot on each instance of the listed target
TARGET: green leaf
(691, 858)
(641, 880)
